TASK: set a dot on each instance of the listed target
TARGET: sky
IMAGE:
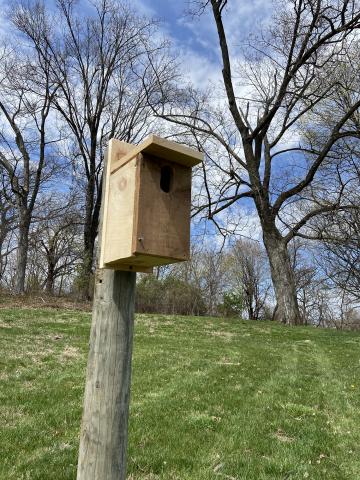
(195, 39)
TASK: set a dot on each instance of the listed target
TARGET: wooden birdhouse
(146, 210)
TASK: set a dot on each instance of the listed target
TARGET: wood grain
(165, 149)
(115, 151)
(120, 217)
(162, 226)
(104, 431)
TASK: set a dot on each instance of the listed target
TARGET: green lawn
(211, 398)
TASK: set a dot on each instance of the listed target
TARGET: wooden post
(103, 440)
(104, 429)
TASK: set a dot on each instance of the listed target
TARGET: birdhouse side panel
(120, 213)
(162, 226)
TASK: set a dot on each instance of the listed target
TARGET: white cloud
(197, 45)
(198, 69)
(144, 8)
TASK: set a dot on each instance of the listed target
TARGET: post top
(161, 148)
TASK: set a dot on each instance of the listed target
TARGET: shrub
(232, 305)
(169, 296)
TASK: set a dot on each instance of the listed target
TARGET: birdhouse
(146, 209)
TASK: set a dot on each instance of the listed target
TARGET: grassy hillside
(211, 399)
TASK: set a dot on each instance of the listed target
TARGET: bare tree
(339, 254)
(207, 272)
(272, 135)
(55, 241)
(249, 268)
(212, 277)
(311, 286)
(7, 224)
(26, 93)
(100, 63)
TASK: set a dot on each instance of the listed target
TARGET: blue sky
(195, 38)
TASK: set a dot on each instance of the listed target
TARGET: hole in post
(166, 175)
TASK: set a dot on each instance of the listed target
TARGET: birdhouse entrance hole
(166, 175)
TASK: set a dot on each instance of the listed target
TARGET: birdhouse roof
(165, 149)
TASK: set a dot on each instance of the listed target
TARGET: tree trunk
(85, 273)
(90, 232)
(287, 308)
(88, 260)
(22, 253)
(50, 278)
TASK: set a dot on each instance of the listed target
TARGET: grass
(211, 398)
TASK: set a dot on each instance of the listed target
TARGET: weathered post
(103, 439)
(145, 221)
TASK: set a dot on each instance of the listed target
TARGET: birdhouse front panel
(146, 209)
(163, 209)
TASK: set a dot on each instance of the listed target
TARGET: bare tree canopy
(249, 269)
(99, 63)
(27, 92)
(290, 99)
